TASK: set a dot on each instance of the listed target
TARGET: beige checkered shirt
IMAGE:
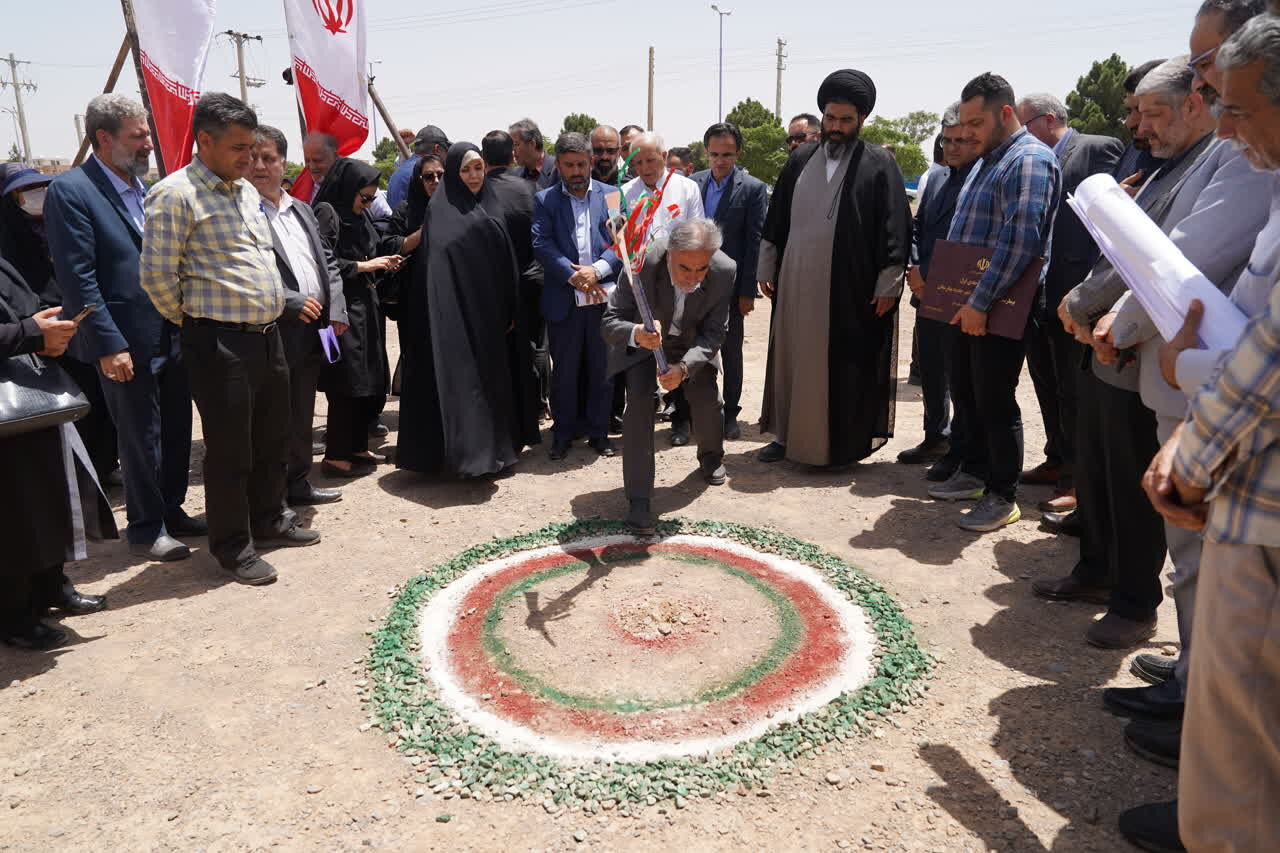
(207, 250)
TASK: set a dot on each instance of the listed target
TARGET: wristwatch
(684, 371)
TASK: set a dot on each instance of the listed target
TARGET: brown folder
(954, 272)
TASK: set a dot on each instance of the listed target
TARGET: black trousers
(1122, 538)
(985, 371)
(731, 356)
(934, 342)
(348, 431)
(27, 595)
(1054, 359)
(578, 356)
(240, 382)
(534, 329)
(306, 359)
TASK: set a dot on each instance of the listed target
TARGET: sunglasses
(367, 199)
(605, 152)
(799, 137)
(431, 177)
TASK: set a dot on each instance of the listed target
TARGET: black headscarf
(346, 178)
(417, 199)
(849, 86)
(23, 244)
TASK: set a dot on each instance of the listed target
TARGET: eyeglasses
(1195, 62)
(605, 152)
(431, 177)
(1027, 123)
(367, 199)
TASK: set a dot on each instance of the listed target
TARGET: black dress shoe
(165, 549)
(294, 537)
(942, 470)
(679, 434)
(615, 425)
(602, 446)
(641, 520)
(318, 448)
(378, 429)
(1159, 703)
(716, 476)
(933, 447)
(314, 496)
(772, 452)
(732, 430)
(1063, 523)
(72, 601)
(1152, 827)
(184, 525)
(38, 638)
(1159, 743)
(559, 450)
(1069, 589)
(1154, 669)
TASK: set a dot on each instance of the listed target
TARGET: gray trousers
(637, 426)
(1184, 550)
(1229, 775)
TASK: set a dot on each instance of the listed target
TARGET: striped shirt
(1231, 441)
(207, 250)
(1008, 205)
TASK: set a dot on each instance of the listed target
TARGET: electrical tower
(18, 86)
(245, 80)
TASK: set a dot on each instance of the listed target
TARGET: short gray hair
(1257, 40)
(1042, 103)
(267, 133)
(649, 138)
(1235, 13)
(1173, 80)
(572, 143)
(695, 235)
(526, 130)
(951, 117)
(108, 112)
(327, 139)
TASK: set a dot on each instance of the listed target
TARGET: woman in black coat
(36, 521)
(356, 385)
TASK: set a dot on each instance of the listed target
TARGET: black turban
(850, 86)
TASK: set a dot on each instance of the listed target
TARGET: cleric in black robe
(460, 410)
(833, 257)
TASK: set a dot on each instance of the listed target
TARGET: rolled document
(1160, 276)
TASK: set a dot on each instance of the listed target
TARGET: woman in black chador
(461, 409)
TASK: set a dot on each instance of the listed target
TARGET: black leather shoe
(732, 430)
(716, 476)
(615, 425)
(559, 450)
(1062, 523)
(772, 452)
(933, 447)
(1114, 631)
(318, 448)
(679, 434)
(1152, 827)
(294, 537)
(72, 601)
(1154, 669)
(602, 446)
(641, 520)
(1158, 703)
(942, 470)
(165, 549)
(184, 525)
(378, 430)
(1161, 744)
(1069, 589)
(314, 496)
(39, 638)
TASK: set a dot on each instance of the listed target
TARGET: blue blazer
(556, 248)
(95, 248)
(740, 215)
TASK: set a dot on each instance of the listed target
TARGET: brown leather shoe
(1043, 474)
(1118, 632)
(1063, 500)
(1070, 589)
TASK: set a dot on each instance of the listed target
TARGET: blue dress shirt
(131, 195)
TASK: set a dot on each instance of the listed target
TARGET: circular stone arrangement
(582, 663)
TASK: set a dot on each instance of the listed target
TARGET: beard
(577, 184)
(605, 172)
(837, 143)
(134, 165)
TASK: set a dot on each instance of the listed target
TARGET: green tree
(885, 131)
(385, 149)
(764, 151)
(751, 113)
(578, 123)
(919, 126)
(699, 153)
(1097, 104)
(15, 154)
(292, 169)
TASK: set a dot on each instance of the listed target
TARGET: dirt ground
(198, 714)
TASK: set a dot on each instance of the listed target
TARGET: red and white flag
(174, 38)
(327, 38)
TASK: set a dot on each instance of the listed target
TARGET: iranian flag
(327, 38)
(173, 41)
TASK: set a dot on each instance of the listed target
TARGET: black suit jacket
(335, 303)
(512, 203)
(702, 327)
(1074, 252)
(740, 215)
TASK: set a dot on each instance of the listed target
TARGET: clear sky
(472, 68)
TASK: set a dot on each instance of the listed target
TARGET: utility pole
(723, 13)
(777, 108)
(18, 86)
(373, 118)
(245, 80)
(649, 123)
(79, 128)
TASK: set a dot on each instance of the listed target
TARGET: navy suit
(573, 332)
(740, 214)
(95, 246)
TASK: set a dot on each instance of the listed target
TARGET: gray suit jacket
(702, 328)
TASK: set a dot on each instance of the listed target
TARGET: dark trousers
(347, 433)
(731, 356)
(1122, 538)
(96, 429)
(984, 386)
(934, 342)
(27, 595)
(535, 331)
(578, 351)
(240, 382)
(1054, 359)
(708, 418)
(306, 358)
(152, 414)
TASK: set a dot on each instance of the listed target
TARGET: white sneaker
(990, 513)
(961, 487)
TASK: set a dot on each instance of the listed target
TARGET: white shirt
(297, 245)
(680, 191)
(581, 209)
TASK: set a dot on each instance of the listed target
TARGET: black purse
(35, 394)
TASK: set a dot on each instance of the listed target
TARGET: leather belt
(252, 328)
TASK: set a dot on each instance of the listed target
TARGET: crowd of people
(229, 286)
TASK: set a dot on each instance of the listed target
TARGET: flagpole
(131, 28)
